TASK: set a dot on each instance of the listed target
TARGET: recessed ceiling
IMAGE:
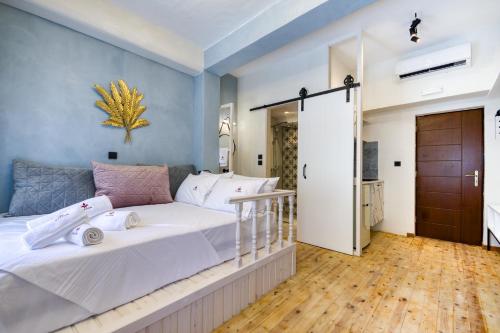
(204, 22)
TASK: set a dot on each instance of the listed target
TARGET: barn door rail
(303, 94)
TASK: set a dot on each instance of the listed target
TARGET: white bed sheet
(50, 288)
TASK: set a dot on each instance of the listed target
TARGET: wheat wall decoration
(123, 107)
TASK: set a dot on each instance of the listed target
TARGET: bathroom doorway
(282, 146)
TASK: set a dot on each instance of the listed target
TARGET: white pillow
(195, 189)
(229, 187)
(270, 185)
(223, 175)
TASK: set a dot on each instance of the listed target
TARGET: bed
(176, 241)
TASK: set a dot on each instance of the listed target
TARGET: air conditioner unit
(455, 56)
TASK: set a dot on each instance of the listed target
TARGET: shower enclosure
(283, 147)
(285, 155)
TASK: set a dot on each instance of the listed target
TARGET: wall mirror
(227, 145)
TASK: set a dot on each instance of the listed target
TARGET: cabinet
(373, 208)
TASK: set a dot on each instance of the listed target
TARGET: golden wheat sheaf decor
(122, 106)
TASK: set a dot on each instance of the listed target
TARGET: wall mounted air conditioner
(455, 56)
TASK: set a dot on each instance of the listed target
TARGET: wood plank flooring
(399, 285)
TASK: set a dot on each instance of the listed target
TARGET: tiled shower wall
(287, 139)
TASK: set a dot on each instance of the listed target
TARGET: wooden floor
(399, 285)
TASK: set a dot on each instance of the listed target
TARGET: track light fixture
(413, 29)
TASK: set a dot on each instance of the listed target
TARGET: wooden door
(449, 183)
(325, 172)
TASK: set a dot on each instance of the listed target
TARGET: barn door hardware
(303, 94)
(348, 81)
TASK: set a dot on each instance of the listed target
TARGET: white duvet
(46, 289)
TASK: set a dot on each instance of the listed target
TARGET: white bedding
(46, 289)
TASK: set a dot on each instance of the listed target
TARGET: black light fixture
(497, 124)
(413, 29)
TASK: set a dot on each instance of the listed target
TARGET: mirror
(227, 146)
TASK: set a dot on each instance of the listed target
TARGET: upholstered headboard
(42, 189)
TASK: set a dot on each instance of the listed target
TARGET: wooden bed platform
(199, 303)
(204, 301)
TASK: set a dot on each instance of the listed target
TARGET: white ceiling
(204, 22)
(385, 26)
(285, 113)
(443, 22)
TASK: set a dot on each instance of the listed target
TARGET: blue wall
(228, 89)
(205, 135)
(47, 111)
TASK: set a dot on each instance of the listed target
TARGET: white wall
(281, 74)
(268, 84)
(395, 131)
(384, 89)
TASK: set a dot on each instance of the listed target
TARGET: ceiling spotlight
(413, 29)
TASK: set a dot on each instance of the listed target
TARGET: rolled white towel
(92, 207)
(116, 220)
(85, 235)
(59, 226)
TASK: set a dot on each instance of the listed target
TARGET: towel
(85, 235)
(50, 231)
(223, 157)
(116, 220)
(92, 207)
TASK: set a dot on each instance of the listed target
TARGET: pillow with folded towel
(130, 185)
(57, 227)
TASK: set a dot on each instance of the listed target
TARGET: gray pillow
(41, 189)
(177, 174)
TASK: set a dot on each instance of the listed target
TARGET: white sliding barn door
(326, 172)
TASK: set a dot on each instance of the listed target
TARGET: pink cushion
(130, 185)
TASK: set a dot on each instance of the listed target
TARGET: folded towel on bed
(92, 207)
(116, 220)
(85, 235)
(59, 226)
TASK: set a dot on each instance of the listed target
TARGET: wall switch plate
(397, 163)
(112, 155)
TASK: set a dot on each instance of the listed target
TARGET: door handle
(474, 174)
(304, 171)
